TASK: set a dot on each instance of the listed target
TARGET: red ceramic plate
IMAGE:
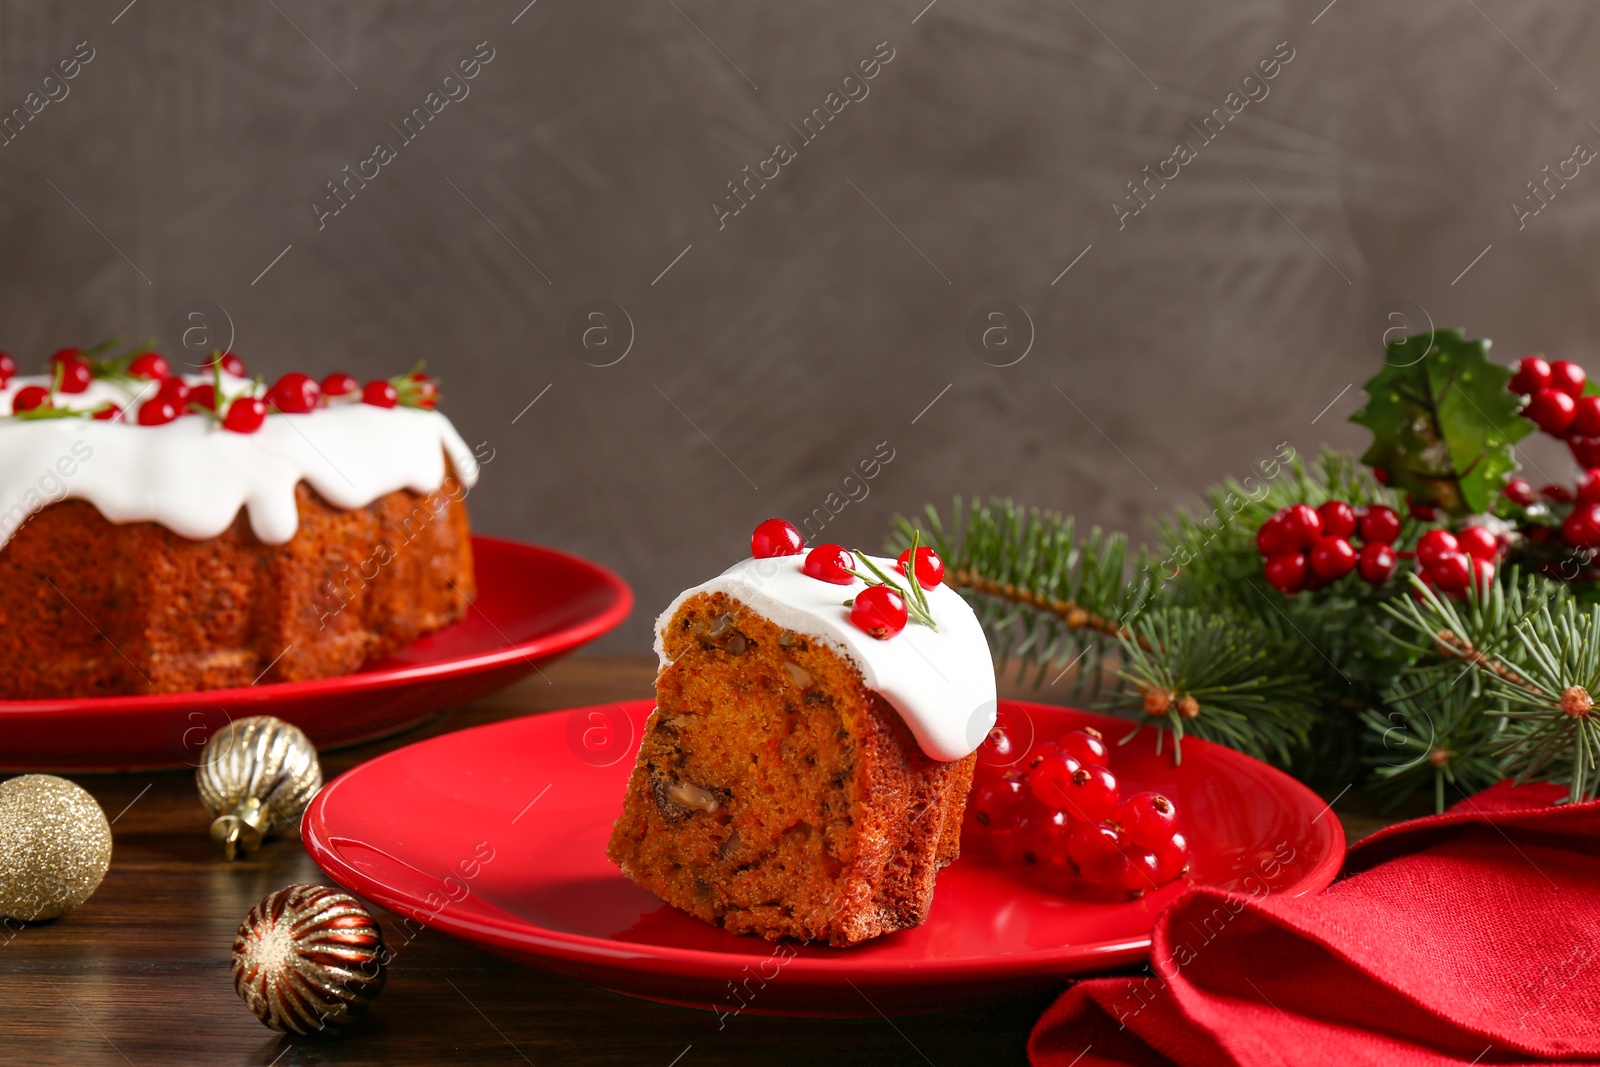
(497, 835)
(533, 604)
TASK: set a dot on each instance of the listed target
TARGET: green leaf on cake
(1443, 423)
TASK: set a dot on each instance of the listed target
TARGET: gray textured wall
(824, 317)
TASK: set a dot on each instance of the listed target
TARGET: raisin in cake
(185, 555)
(799, 776)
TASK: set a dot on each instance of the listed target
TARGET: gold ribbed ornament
(256, 777)
(308, 958)
(55, 846)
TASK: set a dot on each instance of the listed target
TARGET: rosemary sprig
(915, 597)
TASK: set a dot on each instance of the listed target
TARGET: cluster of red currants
(1559, 404)
(1061, 808)
(72, 370)
(1309, 548)
(880, 610)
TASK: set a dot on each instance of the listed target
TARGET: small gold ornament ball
(55, 846)
(308, 958)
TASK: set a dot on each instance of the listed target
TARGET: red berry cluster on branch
(1309, 548)
(1562, 403)
(1062, 808)
(1452, 561)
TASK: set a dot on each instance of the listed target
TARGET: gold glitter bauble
(55, 846)
(256, 776)
(308, 958)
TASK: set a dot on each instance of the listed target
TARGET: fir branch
(1532, 654)
(1553, 731)
(1433, 742)
(1222, 677)
(1073, 614)
(1046, 596)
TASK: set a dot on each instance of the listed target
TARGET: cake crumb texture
(93, 608)
(775, 794)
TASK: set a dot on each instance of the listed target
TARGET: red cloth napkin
(1471, 937)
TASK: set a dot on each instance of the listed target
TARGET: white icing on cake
(941, 682)
(192, 476)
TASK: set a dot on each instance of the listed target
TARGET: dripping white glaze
(940, 681)
(192, 476)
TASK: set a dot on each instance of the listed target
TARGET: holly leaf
(1443, 422)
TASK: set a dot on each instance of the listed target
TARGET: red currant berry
(31, 398)
(1301, 526)
(245, 415)
(1533, 374)
(1421, 512)
(1552, 411)
(340, 384)
(1379, 525)
(1338, 519)
(1380, 475)
(294, 394)
(1099, 852)
(879, 611)
(230, 364)
(993, 804)
(1287, 572)
(157, 412)
(1450, 571)
(1037, 754)
(1482, 574)
(1149, 819)
(424, 391)
(1007, 742)
(1520, 491)
(380, 394)
(149, 365)
(203, 396)
(1269, 539)
(1586, 450)
(1038, 835)
(75, 375)
(930, 568)
(1377, 563)
(1172, 858)
(1433, 544)
(175, 390)
(775, 537)
(830, 563)
(1333, 558)
(8, 369)
(1582, 528)
(1588, 488)
(63, 355)
(108, 413)
(1085, 745)
(1556, 494)
(1477, 542)
(1051, 780)
(1586, 416)
(1568, 377)
(1093, 795)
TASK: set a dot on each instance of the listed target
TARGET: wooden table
(140, 974)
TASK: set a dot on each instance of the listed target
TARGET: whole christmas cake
(806, 767)
(163, 532)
